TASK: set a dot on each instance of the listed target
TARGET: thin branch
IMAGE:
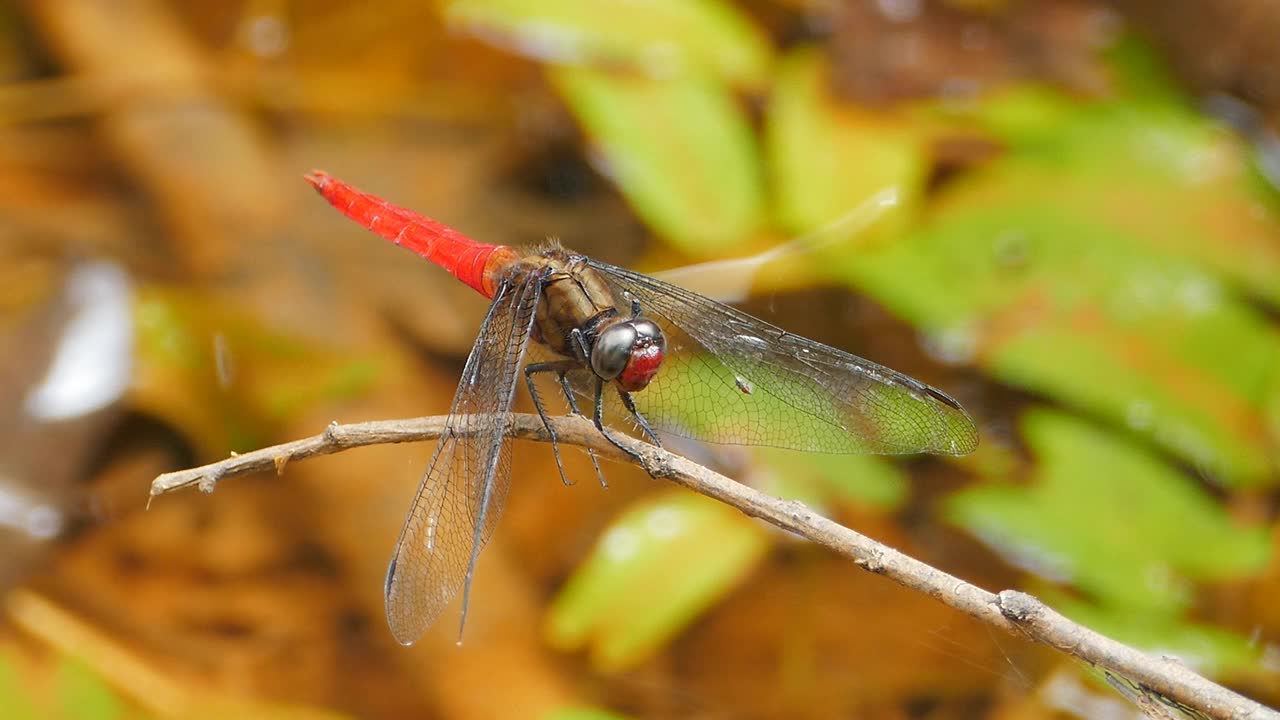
(1011, 611)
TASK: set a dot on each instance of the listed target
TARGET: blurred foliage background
(1063, 212)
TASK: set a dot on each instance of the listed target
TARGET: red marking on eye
(641, 367)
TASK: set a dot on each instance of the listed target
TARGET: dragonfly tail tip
(318, 178)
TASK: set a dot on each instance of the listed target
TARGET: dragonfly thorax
(629, 351)
(581, 317)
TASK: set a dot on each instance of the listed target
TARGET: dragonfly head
(629, 351)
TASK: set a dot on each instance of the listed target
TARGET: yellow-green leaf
(681, 150)
(827, 158)
(663, 37)
(1149, 532)
(655, 569)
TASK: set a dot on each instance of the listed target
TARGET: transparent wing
(1151, 703)
(465, 486)
(735, 379)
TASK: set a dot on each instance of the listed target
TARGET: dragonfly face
(629, 351)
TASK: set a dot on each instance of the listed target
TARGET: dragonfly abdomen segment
(479, 265)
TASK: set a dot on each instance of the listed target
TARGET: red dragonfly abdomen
(476, 264)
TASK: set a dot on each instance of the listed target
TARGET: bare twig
(1011, 611)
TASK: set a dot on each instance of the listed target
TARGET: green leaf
(1023, 116)
(1138, 72)
(1171, 182)
(818, 479)
(663, 37)
(1070, 307)
(681, 151)
(14, 693)
(655, 569)
(1110, 519)
(1167, 177)
(1146, 163)
(83, 695)
(1208, 650)
(826, 157)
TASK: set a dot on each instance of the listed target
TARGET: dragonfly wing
(731, 378)
(465, 486)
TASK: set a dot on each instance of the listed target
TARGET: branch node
(207, 482)
(1017, 606)
(873, 562)
(331, 433)
(657, 466)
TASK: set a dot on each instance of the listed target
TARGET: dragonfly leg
(599, 423)
(573, 407)
(630, 404)
(529, 372)
(580, 343)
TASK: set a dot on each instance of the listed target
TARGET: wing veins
(809, 378)
(462, 492)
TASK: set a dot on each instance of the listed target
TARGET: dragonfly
(664, 357)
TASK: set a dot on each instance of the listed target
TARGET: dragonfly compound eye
(646, 355)
(612, 350)
(647, 329)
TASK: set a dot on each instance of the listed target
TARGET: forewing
(731, 378)
(465, 486)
